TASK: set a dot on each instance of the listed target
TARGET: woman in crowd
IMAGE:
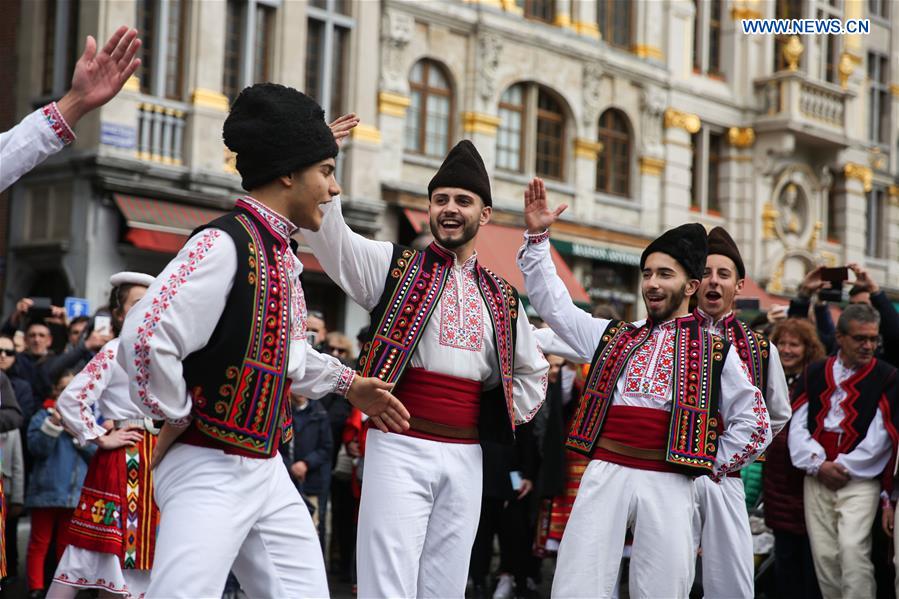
(798, 345)
(113, 554)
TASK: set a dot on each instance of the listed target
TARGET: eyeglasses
(7, 352)
(862, 339)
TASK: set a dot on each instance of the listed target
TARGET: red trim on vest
(642, 428)
(441, 398)
(849, 434)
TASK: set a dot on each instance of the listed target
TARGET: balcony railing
(791, 100)
(160, 131)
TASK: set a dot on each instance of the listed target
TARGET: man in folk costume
(455, 339)
(722, 526)
(648, 418)
(215, 348)
(841, 436)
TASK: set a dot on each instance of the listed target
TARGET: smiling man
(722, 527)
(839, 436)
(648, 416)
(215, 348)
(454, 338)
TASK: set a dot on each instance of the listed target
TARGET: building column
(583, 18)
(649, 20)
(679, 126)
(739, 205)
(652, 174)
(680, 38)
(586, 152)
(853, 204)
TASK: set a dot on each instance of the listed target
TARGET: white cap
(130, 278)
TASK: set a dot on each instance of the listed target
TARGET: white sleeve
(357, 264)
(75, 404)
(550, 343)
(314, 374)
(805, 453)
(174, 319)
(548, 295)
(777, 396)
(871, 455)
(529, 379)
(747, 429)
(31, 141)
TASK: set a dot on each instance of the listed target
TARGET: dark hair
(66, 372)
(117, 298)
(855, 290)
(858, 313)
(78, 320)
(804, 330)
(40, 322)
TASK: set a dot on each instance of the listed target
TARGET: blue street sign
(77, 306)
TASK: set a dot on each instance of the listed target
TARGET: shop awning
(596, 252)
(162, 226)
(497, 246)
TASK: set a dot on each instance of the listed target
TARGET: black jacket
(312, 444)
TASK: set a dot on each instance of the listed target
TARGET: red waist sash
(635, 437)
(830, 441)
(442, 407)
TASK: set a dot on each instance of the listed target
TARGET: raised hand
(863, 280)
(342, 126)
(373, 397)
(537, 215)
(812, 283)
(100, 75)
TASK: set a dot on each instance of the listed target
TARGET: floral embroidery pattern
(649, 373)
(58, 123)
(462, 312)
(94, 372)
(99, 583)
(538, 238)
(278, 223)
(347, 376)
(298, 313)
(158, 307)
(757, 439)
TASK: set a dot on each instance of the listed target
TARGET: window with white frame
(329, 24)
(707, 23)
(876, 216)
(615, 20)
(532, 132)
(428, 120)
(878, 98)
(880, 8)
(705, 187)
(163, 28)
(249, 35)
(61, 46)
(829, 45)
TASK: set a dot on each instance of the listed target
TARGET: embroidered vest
(698, 362)
(238, 381)
(754, 349)
(414, 284)
(865, 391)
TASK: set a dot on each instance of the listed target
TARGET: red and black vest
(754, 349)
(238, 382)
(698, 362)
(415, 281)
(866, 390)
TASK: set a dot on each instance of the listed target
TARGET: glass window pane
(413, 116)
(231, 71)
(314, 57)
(146, 19)
(265, 16)
(340, 71)
(174, 47)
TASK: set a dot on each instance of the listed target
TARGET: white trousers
(839, 531)
(223, 512)
(656, 506)
(421, 501)
(722, 530)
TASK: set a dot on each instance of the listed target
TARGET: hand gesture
(862, 279)
(342, 126)
(120, 437)
(100, 75)
(833, 476)
(298, 470)
(167, 437)
(886, 520)
(537, 215)
(373, 397)
(96, 340)
(813, 283)
(526, 487)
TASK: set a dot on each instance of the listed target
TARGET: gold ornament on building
(792, 52)
(587, 148)
(845, 68)
(741, 137)
(682, 120)
(769, 217)
(816, 235)
(864, 174)
(776, 284)
(893, 194)
(650, 165)
(877, 160)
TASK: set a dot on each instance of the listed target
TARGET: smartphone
(515, 478)
(836, 277)
(310, 337)
(103, 324)
(747, 303)
(40, 308)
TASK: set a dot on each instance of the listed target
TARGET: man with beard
(454, 338)
(840, 435)
(648, 415)
(722, 526)
(214, 349)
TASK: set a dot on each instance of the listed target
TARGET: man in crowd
(839, 436)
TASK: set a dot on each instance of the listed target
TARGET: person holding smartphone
(728, 567)
(113, 554)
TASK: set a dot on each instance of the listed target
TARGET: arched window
(614, 160)
(428, 117)
(531, 133)
(510, 135)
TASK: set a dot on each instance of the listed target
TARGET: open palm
(100, 75)
(537, 215)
